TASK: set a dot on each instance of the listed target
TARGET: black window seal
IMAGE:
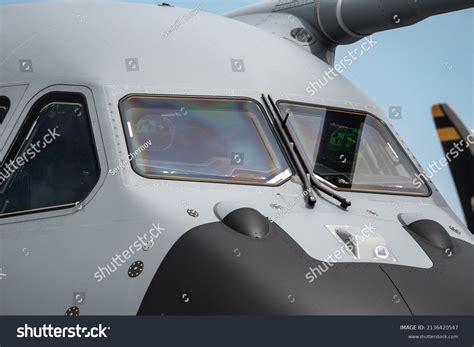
(198, 180)
(5, 103)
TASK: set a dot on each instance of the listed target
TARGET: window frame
(262, 109)
(8, 108)
(23, 124)
(388, 128)
(16, 94)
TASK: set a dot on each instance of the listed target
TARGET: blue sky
(416, 67)
(413, 67)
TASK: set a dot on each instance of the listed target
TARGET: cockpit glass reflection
(203, 138)
(352, 151)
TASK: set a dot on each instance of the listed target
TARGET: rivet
(72, 311)
(372, 212)
(275, 206)
(192, 213)
(136, 269)
(148, 246)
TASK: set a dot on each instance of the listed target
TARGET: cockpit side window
(52, 163)
(202, 138)
(352, 150)
(4, 107)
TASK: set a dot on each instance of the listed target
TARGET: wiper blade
(304, 176)
(307, 170)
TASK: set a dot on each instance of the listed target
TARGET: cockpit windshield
(351, 150)
(199, 138)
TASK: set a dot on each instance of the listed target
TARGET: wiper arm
(345, 203)
(304, 176)
(307, 170)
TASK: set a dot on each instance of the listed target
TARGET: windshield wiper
(304, 170)
(304, 177)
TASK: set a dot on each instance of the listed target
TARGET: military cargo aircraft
(157, 160)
